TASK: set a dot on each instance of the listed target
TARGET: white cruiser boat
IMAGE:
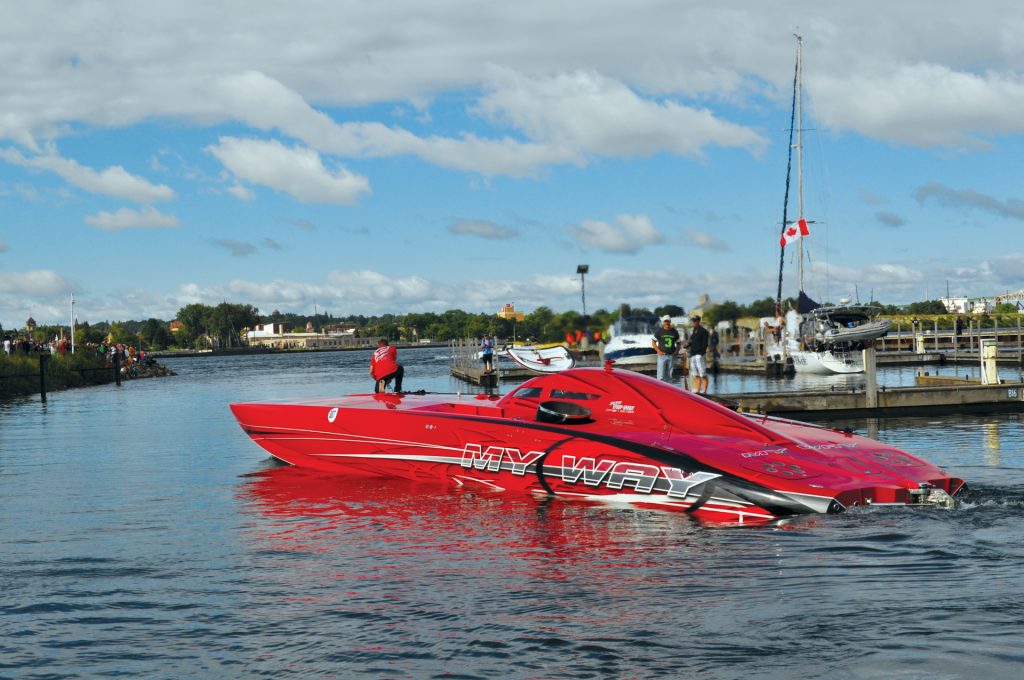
(630, 342)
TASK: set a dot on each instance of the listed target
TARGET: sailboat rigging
(818, 339)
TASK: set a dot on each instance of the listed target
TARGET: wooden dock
(931, 399)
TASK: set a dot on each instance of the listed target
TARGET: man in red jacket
(384, 366)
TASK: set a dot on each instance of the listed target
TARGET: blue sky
(394, 157)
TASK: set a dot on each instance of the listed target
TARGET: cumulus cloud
(1008, 270)
(126, 218)
(241, 192)
(295, 170)
(702, 239)
(595, 114)
(483, 229)
(564, 119)
(891, 103)
(969, 198)
(39, 282)
(629, 234)
(113, 181)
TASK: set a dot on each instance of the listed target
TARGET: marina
(929, 395)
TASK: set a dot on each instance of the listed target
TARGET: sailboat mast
(800, 154)
(793, 126)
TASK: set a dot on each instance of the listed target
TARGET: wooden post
(42, 378)
(936, 334)
(871, 382)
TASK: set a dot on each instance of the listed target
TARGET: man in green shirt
(666, 343)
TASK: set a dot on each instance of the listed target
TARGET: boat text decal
(619, 407)
(491, 458)
(640, 476)
(332, 414)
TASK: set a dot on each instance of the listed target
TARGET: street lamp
(582, 271)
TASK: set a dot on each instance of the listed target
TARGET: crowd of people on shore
(27, 346)
(125, 354)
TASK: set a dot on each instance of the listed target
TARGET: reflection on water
(992, 446)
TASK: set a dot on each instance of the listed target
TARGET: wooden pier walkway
(929, 400)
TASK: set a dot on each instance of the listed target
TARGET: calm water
(143, 535)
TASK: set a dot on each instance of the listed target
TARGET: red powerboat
(601, 434)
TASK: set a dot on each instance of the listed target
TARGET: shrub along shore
(20, 372)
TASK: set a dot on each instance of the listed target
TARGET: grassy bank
(19, 373)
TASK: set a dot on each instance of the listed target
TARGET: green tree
(671, 310)
(759, 308)
(927, 307)
(193, 323)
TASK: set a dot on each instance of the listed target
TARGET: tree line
(223, 325)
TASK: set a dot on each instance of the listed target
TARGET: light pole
(582, 271)
(72, 323)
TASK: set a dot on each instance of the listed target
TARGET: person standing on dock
(697, 347)
(384, 367)
(666, 344)
(487, 353)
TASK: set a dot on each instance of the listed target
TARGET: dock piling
(871, 378)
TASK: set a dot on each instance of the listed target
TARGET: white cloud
(113, 181)
(126, 218)
(294, 170)
(241, 192)
(589, 112)
(630, 234)
(890, 104)
(702, 239)
(39, 282)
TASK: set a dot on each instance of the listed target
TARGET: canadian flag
(794, 231)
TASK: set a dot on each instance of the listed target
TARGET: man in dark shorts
(487, 353)
(697, 347)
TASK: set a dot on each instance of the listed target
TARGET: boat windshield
(635, 325)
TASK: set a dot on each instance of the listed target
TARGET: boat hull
(648, 444)
(828, 362)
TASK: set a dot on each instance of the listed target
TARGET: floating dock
(956, 396)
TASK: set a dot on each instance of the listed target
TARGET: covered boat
(601, 434)
(542, 359)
